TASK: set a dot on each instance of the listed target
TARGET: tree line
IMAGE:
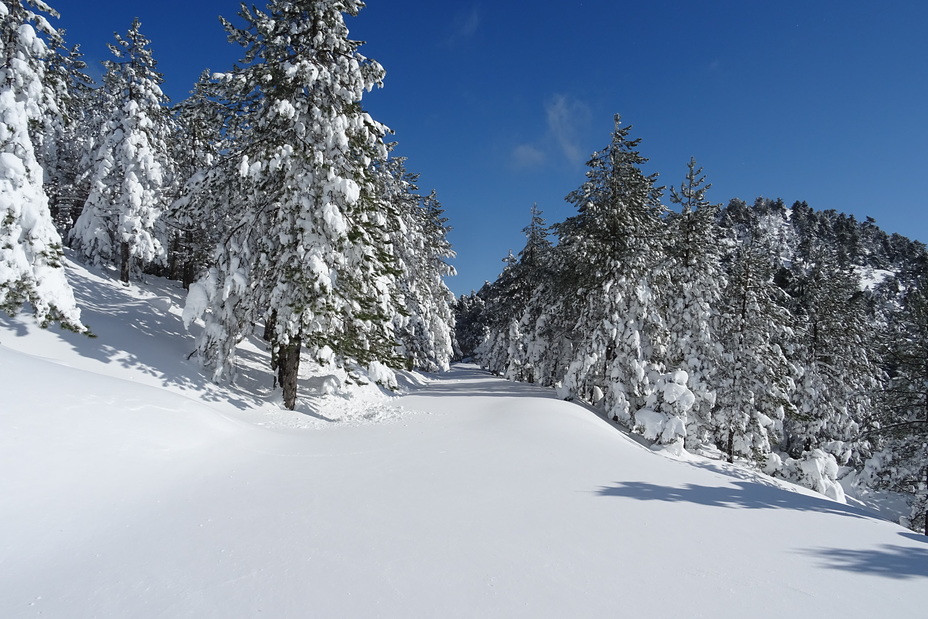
(270, 192)
(779, 336)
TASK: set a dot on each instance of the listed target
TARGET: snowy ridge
(134, 487)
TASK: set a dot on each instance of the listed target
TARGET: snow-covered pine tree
(306, 245)
(834, 353)
(755, 378)
(528, 345)
(195, 145)
(31, 270)
(470, 325)
(537, 244)
(900, 429)
(691, 299)
(127, 194)
(424, 324)
(615, 246)
(510, 312)
(64, 150)
(503, 302)
(438, 301)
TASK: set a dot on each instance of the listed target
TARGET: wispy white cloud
(567, 117)
(466, 24)
(567, 121)
(527, 156)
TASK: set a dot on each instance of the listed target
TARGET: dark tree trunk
(288, 370)
(190, 267)
(270, 335)
(731, 446)
(269, 327)
(189, 274)
(124, 262)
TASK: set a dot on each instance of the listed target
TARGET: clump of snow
(323, 385)
(196, 303)
(816, 469)
(658, 426)
(161, 304)
(821, 473)
(871, 277)
(382, 375)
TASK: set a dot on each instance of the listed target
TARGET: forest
(784, 338)
(269, 192)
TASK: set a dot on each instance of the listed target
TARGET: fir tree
(614, 242)
(424, 324)
(692, 297)
(31, 268)
(196, 145)
(305, 246)
(900, 431)
(118, 222)
(528, 349)
(67, 136)
(755, 377)
(834, 353)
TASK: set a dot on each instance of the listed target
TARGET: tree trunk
(269, 330)
(288, 369)
(731, 446)
(190, 267)
(189, 274)
(124, 262)
(270, 335)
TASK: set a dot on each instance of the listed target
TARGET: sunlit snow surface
(132, 487)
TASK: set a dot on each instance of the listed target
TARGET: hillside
(134, 487)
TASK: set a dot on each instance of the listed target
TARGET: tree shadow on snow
(159, 342)
(743, 495)
(17, 327)
(889, 561)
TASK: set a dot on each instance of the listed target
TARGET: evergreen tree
(424, 324)
(692, 297)
(900, 431)
(118, 222)
(64, 150)
(470, 324)
(755, 377)
(31, 255)
(537, 243)
(305, 246)
(838, 372)
(528, 349)
(196, 145)
(614, 242)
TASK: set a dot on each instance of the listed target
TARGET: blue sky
(498, 105)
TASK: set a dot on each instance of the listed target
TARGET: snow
(134, 487)
(871, 277)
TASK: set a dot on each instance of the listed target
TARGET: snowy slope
(131, 487)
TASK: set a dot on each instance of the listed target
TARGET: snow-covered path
(484, 499)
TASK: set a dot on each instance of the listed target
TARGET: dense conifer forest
(269, 192)
(787, 338)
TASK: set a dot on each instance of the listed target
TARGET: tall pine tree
(692, 297)
(305, 246)
(614, 242)
(31, 268)
(127, 193)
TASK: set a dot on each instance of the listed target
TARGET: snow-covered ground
(132, 487)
